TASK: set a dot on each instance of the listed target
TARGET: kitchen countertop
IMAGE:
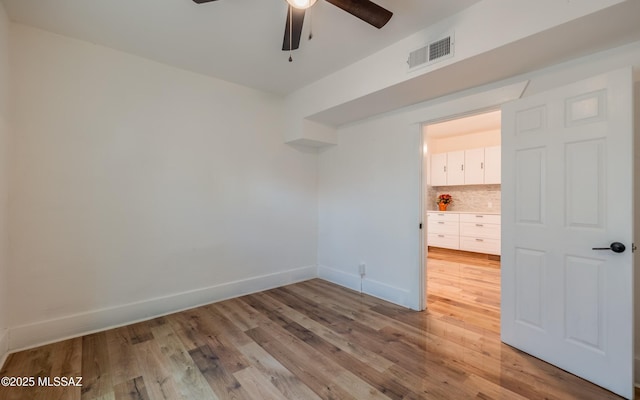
(466, 212)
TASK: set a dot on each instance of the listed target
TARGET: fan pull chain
(290, 33)
(310, 24)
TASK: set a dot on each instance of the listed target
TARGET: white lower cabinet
(443, 230)
(478, 233)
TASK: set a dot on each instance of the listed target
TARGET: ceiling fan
(366, 10)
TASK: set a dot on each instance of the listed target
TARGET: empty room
(234, 199)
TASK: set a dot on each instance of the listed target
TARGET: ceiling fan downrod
(290, 33)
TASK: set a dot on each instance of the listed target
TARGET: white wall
(4, 152)
(369, 208)
(465, 142)
(138, 189)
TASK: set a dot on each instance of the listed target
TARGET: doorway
(462, 243)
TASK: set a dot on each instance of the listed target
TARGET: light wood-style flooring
(310, 340)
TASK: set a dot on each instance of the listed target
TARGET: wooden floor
(311, 340)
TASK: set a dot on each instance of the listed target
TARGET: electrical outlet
(362, 269)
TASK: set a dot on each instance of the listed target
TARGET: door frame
(424, 252)
(470, 104)
(636, 225)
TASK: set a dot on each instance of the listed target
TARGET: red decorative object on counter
(443, 201)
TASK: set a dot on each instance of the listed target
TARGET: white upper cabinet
(455, 168)
(467, 167)
(439, 169)
(474, 166)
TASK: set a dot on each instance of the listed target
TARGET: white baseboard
(4, 346)
(371, 287)
(351, 281)
(39, 333)
(383, 291)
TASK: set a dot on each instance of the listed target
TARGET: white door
(567, 188)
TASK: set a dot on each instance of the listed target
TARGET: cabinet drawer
(447, 227)
(486, 218)
(480, 230)
(443, 240)
(443, 216)
(480, 245)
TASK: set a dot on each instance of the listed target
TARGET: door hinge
(420, 225)
(633, 247)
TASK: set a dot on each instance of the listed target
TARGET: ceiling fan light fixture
(301, 4)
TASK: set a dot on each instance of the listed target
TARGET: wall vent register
(435, 51)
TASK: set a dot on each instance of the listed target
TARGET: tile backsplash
(485, 198)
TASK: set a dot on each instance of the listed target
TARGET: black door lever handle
(616, 247)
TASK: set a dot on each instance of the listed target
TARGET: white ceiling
(236, 40)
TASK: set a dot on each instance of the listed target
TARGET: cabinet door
(479, 230)
(443, 216)
(492, 164)
(455, 168)
(480, 245)
(443, 240)
(474, 166)
(439, 169)
(481, 218)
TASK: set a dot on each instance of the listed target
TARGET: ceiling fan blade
(296, 29)
(367, 11)
(202, 1)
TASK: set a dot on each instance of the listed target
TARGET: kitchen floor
(464, 287)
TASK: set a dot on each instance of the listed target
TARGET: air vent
(440, 49)
(418, 57)
(431, 53)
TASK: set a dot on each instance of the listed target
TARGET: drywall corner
(312, 134)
